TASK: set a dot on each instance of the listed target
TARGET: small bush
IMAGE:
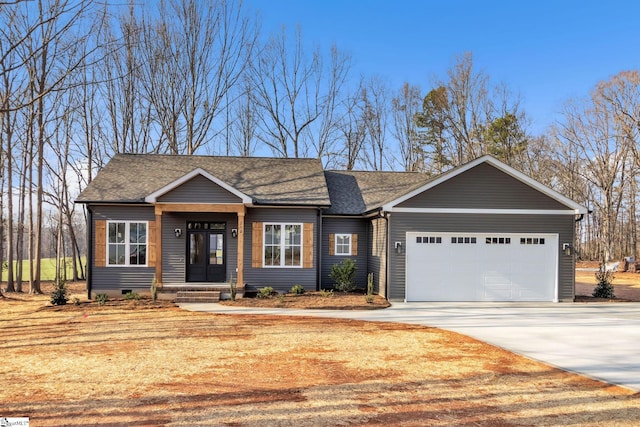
(265, 292)
(604, 287)
(297, 289)
(233, 289)
(59, 294)
(326, 293)
(369, 297)
(154, 289)
(76, 300)
(343, 275)
(102, 299)
(131, 296)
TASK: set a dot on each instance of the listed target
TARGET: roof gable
(190, 177)
(531, 193)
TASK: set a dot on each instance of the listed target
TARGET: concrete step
(197, 296)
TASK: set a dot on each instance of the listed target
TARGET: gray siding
(115, 278)
(199, 190)
(377, 254)
(473, 189)
(401, 223)
(281, 279)
(174, 250)
(344, 226)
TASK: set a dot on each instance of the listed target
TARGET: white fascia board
(487, 211)
(152, 198)
(579, 209)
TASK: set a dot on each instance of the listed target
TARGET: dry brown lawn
(154, 364)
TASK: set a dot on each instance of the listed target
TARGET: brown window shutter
(307, 245)
(151, 244)
(100, 249)
(256, 245)
(332, 244)
(354, 244)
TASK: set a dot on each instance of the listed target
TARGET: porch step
(197, 296)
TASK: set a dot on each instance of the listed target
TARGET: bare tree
(404, 106)
(375, 98)
(192, 56)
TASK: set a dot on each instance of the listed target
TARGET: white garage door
(481, 267)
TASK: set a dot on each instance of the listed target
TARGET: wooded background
(83, 80)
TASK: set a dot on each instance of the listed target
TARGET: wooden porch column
(158, 236)
(240, 275)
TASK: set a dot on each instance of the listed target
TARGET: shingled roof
(129, 178)
(359, 192)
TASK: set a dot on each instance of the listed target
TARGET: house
(480, 232)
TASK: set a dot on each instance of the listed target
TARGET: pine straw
(154, 365)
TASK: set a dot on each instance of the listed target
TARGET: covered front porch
(198, 246)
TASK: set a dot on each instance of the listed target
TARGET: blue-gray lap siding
(281, 279)
(115, 278)
(401, 223)
(199, 190)
(344, 226)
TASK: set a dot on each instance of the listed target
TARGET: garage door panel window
(428, 239)
(464, 240)
(497, 240)
(532, 241)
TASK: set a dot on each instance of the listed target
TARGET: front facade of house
(480, 232)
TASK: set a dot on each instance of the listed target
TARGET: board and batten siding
(401, 223)
(377, 247)
(114, 279)
(174, 249)
(199, 190)
(354, 226)
(472, 190)
(281, 279)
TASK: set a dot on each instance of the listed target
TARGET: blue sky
(548, 51)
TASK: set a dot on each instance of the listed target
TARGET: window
(498, 240)
(532, 241)
(428, 239)
(464, 240)
(127, 243)
(343, 244)
(282, 245)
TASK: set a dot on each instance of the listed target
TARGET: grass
(47, 269)
(136, 364)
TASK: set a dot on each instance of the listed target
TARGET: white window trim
(127, 224)
(282, 244)
(335, 248)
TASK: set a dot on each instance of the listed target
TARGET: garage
(481, 266)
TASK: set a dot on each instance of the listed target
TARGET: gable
(199, 190)
(482, 187)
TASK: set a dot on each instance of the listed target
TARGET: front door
(206, 257)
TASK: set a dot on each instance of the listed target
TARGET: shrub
(343, 275)
(233, 289)
(131, 296)
(326, 293)
(297, 289)
(76, 300)
(369, 296)
(59, 294)
(265, 292)
(102, 298)
(154, 289)
(604, 288)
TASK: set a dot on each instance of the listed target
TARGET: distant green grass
(47, 269)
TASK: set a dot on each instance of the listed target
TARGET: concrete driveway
(601, 341)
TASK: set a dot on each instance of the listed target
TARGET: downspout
(319, 249)
(89, 259)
